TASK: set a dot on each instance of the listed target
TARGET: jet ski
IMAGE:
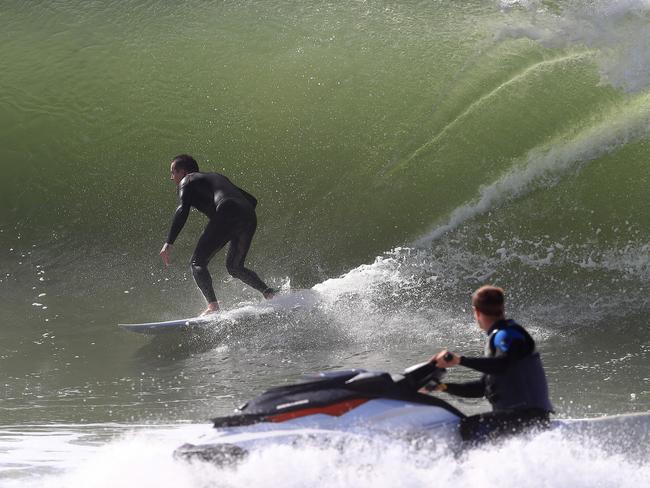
(328, 405)
(336, 406)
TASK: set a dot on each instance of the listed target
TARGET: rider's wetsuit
(231, 211)
(513, 381)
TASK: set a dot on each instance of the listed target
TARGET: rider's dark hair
(489, 300)
(185, 162)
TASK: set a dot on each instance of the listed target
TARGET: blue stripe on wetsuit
(505, 337)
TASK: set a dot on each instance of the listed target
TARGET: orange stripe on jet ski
(336, 409)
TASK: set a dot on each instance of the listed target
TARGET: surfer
(513, 381)
(231, 214)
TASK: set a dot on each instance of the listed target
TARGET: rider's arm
(469, 389)
(509, 345)
(180, 217)
(493, 365)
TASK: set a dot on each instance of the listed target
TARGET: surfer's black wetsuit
(513, 381)
(231, 211)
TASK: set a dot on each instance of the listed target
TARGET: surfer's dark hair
(489, 300)
(185, 162)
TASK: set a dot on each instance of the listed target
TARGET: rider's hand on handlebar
(446, 359)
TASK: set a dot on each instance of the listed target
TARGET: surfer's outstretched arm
(180, 217)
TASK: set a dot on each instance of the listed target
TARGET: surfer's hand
(164, 253)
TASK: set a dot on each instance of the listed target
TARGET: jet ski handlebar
(420, 374)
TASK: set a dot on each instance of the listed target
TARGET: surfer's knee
(197, 268)
(198, 262)
(235, 271)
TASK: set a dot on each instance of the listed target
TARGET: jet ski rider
(513, 378)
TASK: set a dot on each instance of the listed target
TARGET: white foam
(144, 460)
(616, 31)
(295, 300)
(385, 269)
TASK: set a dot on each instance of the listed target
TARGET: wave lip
(544, 168)
(616, 30)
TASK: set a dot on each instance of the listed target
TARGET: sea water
(403, 154)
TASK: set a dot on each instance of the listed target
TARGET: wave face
(358, 127)
(403, 153)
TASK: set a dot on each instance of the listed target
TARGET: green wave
(359, 127)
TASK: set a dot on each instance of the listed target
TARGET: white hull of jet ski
(342, 406)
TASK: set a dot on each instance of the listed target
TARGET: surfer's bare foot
(213, 307)
(269, 293)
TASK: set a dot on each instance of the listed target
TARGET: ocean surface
(403, 154)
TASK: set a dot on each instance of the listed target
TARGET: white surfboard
(168, 325)
(296, 299)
